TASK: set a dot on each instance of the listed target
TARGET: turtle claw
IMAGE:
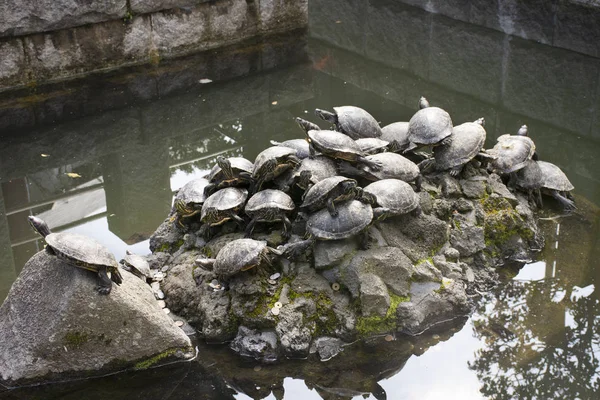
(103, 290)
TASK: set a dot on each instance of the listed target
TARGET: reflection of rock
(53, 324)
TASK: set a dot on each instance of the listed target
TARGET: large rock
(54, 325)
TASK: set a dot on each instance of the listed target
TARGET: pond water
(103, 156)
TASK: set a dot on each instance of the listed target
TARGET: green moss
(207, 251)
(76, 338)
(153, 360)
(502, 222)
(368, 326)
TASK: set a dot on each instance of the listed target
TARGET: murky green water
(125, 142)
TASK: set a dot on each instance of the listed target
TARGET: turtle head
(380, 213)
(523, 130)
(326, 116)
(225, 166)
(349, 186)
(423, 103)
(480, 121)
(304, 179)
(39, 225)
(307, 125)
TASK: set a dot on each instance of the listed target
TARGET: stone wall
(46, 40)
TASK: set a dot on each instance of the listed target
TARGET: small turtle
(230, 172)
(272, 162)
(529, 179)
(300, 145)
(137, 265)
(428, 126)
(394, 196)
(556, 184)
(333, 190)
(244, 254)
(222, 206)
(354, 217)
(372, 145)
(309, 172)
(511, 153)
(270, 205)
(395, 166)
(458, 149)
(338, 146)
(82, 252)
(352, 121)
(397, 135)
(190, 198)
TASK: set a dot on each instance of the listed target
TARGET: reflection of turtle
(337, 145)
(394, 196)
(222, 206)
(137, 265)
(270, 205)
(82, 252)
(352, 121)
(230, 172)
(556, 184)
(333, 190)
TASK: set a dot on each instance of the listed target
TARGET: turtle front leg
(287, 228)
(104, 283)
(331, 208)
(239, 221)
(250, 228)
(311, 151)
(365, 197)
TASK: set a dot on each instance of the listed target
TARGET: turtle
(428, 126)
(395, 166)
(300, 145)
(244, 254)
(458, 149)
(190, 198)
(372, 145)
(82, 252)
(307, 125)
(511, 153)
(230, 172)
(394, 197)
(137, 265)
(556, 184)
(333, 190)
(354, 217)
(396, 134)
(270, 205)
(338, 146)
(529, 179)
(222, 206)
(309, 172)
(352, 121)
(272, 162)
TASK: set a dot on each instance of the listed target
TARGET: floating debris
(389, 338)
(45, 155)
(73, 175)
(257, 368)
(335, 286)
(205, 80)
(278, 305)
(274, 103)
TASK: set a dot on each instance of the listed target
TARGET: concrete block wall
(48, 40)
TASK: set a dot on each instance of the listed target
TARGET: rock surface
(54, 324)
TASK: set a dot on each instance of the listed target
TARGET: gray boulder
(54, 325)
(374, 296)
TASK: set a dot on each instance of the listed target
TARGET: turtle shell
(319, 191)
(512, 153)
(321, 167)
(530, 176)
(278, 153)
(238, 255)
(238, 164)
(395, 195)
(139, 264)
(356, 122)
(335, 144)
(554, 178)
(269, 199)
(300, 145)
(225, 199)
(353, 217)
(429, 126)
(466, 142)
(394, 166)
(192, 192)
(81, 250)
(372, 145)
(397, 131)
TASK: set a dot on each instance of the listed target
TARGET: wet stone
(473, 189)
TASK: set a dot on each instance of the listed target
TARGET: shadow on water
(102, 156)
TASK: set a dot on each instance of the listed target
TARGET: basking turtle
(354, 217)
(222, 206)
(137, 265)
(428, 126)
(458, 149)
(556, 184)
(372, 145)
(338, 146)
(300, 145)
(243, 254)
(309, 172)
(395, 166)
(82, 252)
(394, 197)
(352, 121)
(270, 205)
(190, 198)
(529, 179)
(396, 134)
(272, 162)
(230, 172)
(333, 190)
(307, 125)
(511, 153)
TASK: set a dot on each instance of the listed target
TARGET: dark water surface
(103, 156)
